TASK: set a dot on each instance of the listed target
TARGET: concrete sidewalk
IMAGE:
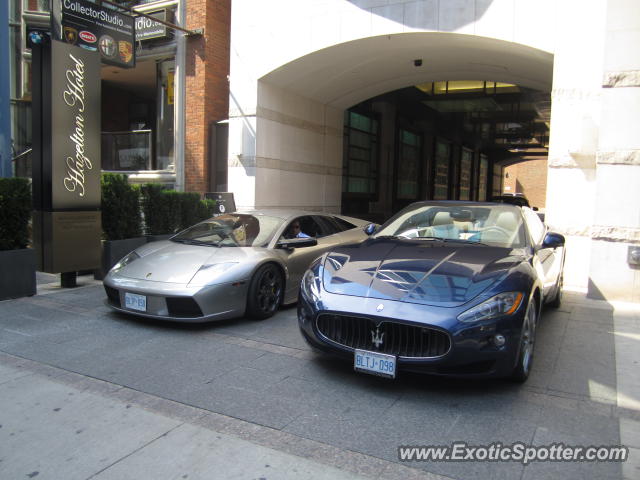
(56, 424)
(59, 425)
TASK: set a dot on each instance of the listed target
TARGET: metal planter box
(17, 273)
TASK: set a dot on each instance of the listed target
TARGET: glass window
(499, 225)
(466, 166)
(441, 177)
(408, 166)
(344, 225)
(360, 164)
(36, 5)
(231, 230)
(482, 178)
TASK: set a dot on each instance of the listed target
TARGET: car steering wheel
(495, 228)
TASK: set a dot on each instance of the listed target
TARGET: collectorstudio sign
(75, 127)
(95, 28)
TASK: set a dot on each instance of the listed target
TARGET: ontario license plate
(375, 363)
(135, 301)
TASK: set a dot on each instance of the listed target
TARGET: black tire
(265, 292)
(527, 344)
(557, 299)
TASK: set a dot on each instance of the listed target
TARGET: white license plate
(375, 363)
(135, 301)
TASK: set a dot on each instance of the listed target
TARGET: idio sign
(146, 28)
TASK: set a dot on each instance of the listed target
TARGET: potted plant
(121, 220)
(17, 262)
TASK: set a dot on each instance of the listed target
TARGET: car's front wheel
(265, 292)
(527, 343)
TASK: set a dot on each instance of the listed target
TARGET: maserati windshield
(498, 225)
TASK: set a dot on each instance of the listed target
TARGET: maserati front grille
(384, 336)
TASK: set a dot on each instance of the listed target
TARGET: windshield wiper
(441, 239)
(188, 241)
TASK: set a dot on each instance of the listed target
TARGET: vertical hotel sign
(66, 170)
(75, 128)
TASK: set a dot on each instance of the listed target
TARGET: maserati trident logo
(377, 337)
(379, 308)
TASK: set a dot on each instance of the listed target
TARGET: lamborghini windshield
(231, 230)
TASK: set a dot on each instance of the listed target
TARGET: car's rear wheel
(527, 343)
(265, 292)
(557, 299)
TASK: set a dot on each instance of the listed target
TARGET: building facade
(362, 106)
(157, 116)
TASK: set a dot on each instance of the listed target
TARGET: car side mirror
(291, 243)
(553, 240)
(371, 228)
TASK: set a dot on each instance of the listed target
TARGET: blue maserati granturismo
(444, 288)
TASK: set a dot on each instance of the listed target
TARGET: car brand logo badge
(379, 308)
(88, 37)
(148, 275)
(377, 337)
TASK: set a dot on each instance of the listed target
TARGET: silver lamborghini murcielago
(243, 262)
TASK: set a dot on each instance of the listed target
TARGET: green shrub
(189, 209)
(15, 213)
(161, 208)
(206, 209)
(121, 216)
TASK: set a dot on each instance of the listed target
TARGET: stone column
(206, 84)
(616, 226)
(575, 122)
(593, 190)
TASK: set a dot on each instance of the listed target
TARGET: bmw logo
(379, 308)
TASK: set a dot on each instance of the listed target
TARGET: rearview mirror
(371, 228)
(289, 243)
(553, 240)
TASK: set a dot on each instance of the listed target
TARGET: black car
(519, 200)
(445, 288)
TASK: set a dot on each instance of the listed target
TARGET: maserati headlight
(208, 273)
(124, 261)
(310, 286)
(499, 305)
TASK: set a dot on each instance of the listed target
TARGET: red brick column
(207, 87)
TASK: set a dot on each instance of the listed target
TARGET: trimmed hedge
(121, 217)
(189, 211)
(130, 211)
(15, 213)
(161, 209)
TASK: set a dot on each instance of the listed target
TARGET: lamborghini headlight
(208, 273)
(124, 261)
(499, 305)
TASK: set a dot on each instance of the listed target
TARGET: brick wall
(529, 178)
(207, 87)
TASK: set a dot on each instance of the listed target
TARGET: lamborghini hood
(172, 262)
